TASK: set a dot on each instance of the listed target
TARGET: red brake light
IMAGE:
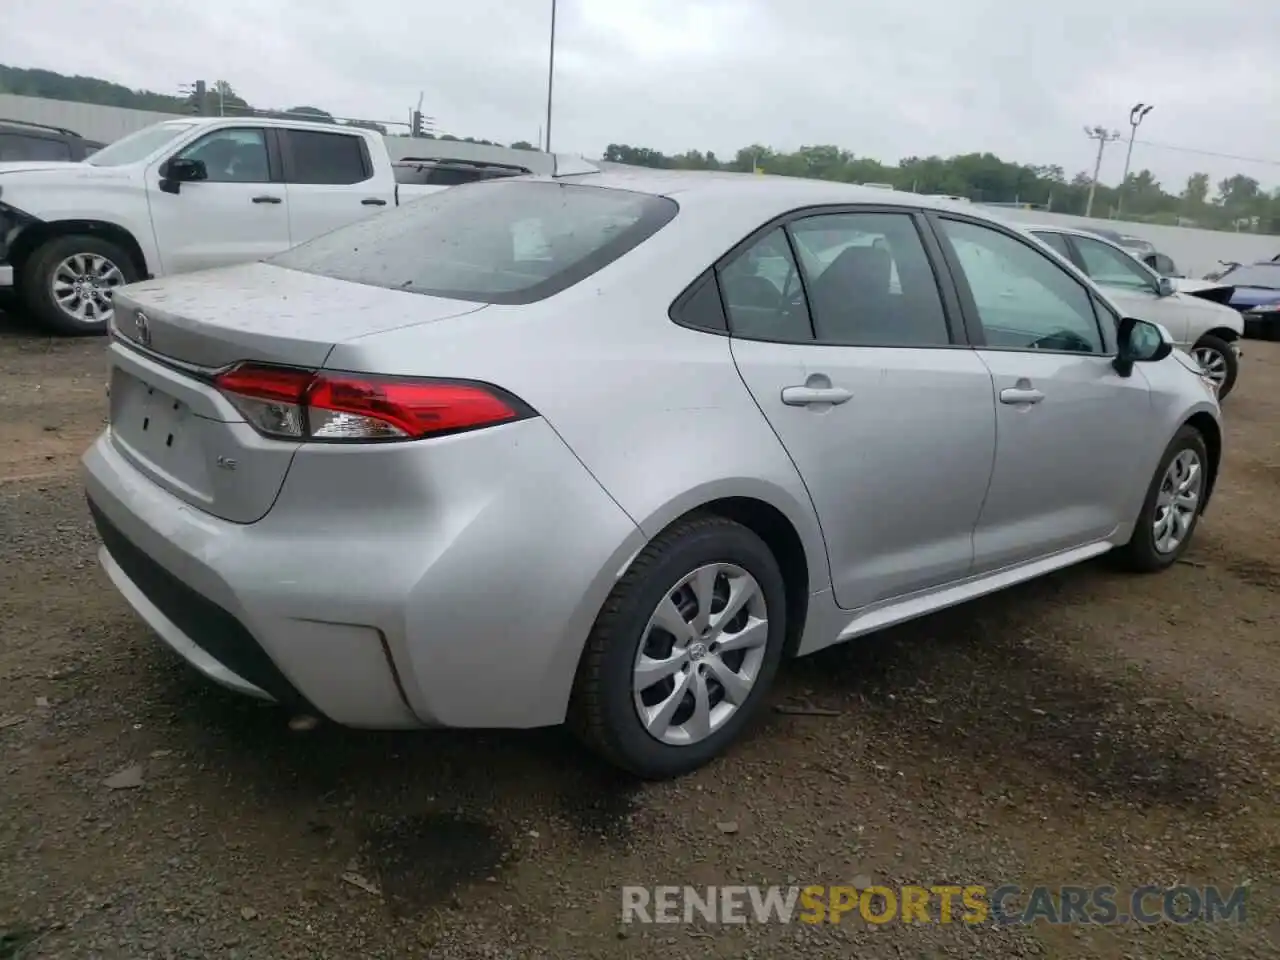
(334, 407)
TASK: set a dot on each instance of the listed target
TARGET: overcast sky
(885, 80)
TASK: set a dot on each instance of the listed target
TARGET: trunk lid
(167, 418)
(257, 311)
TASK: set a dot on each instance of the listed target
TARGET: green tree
(1196, 192)
(314, 114)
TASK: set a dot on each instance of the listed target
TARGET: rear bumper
(374, 616)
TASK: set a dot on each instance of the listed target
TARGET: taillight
(335, 407)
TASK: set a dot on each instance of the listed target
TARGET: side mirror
(1165, 287)
(1140, 342)
(181, 170)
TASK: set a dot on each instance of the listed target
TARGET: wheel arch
(1225, 334)
(1208, 428)
(789, 530)
(37, 234)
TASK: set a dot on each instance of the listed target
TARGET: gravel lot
(1089, 728)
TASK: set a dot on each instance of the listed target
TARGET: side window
(869, 281)
(702, 307)
(333, 158)
(1025, 300)
(16, 146)
(762, 292)
(1057, 241)
(232, 156)
(1109, 266)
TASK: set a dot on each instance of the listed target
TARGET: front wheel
(68, 282)
(1218, 361)
(684, 650)
(1172, 506)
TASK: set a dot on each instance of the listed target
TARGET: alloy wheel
(82, 286)
(1213, 363)
(1177, 501)
(700, 654)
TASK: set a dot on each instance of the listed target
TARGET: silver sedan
(607, 448)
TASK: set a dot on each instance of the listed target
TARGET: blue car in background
(1256, 295)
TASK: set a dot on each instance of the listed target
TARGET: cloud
(887, 81)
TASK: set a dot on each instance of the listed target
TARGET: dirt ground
(1091, 728)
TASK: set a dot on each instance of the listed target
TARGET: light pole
(1103, 136)
(1136, 116)
(551, 72)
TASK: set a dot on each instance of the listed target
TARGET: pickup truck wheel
(1219, 362)
(68, 283)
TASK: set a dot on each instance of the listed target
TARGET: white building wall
(91, 121)
(1195, 251)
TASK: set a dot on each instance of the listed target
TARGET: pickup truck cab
(183, 195)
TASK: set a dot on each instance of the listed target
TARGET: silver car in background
(1211, 332)
(606, 448)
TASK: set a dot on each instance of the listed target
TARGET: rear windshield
(488, 242)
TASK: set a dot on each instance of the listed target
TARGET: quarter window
(333, 158)
(869, 281)
(232, 156)
(762, 292)
(1024, 300)
(1108, 266)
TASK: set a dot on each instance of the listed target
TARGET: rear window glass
(489, 242)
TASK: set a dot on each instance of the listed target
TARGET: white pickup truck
(189, 194)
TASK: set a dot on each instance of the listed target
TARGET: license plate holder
(151, 421)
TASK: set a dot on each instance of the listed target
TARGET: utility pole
(1136, 116)
(1103, 136)
(551, 72)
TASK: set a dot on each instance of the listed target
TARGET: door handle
(1020, 395)
(266, 199)
(373, 202)
(804, 396)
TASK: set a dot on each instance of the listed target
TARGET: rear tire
(705, 558)
(1167, 503)
(1219, 360)
(67, 283)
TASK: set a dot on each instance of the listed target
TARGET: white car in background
(1207, 330)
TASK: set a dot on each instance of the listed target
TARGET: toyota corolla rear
(382, 550)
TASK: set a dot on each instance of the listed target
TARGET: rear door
(1068, 453)
(331, 181)
(841, 333)
(240, 213)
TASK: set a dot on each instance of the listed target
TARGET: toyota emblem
(144, 329)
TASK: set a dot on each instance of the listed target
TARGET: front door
(1068, 425)
(890, 425)
(239, 214)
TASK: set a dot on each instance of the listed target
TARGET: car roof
(1074, 231)
(766, 196)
